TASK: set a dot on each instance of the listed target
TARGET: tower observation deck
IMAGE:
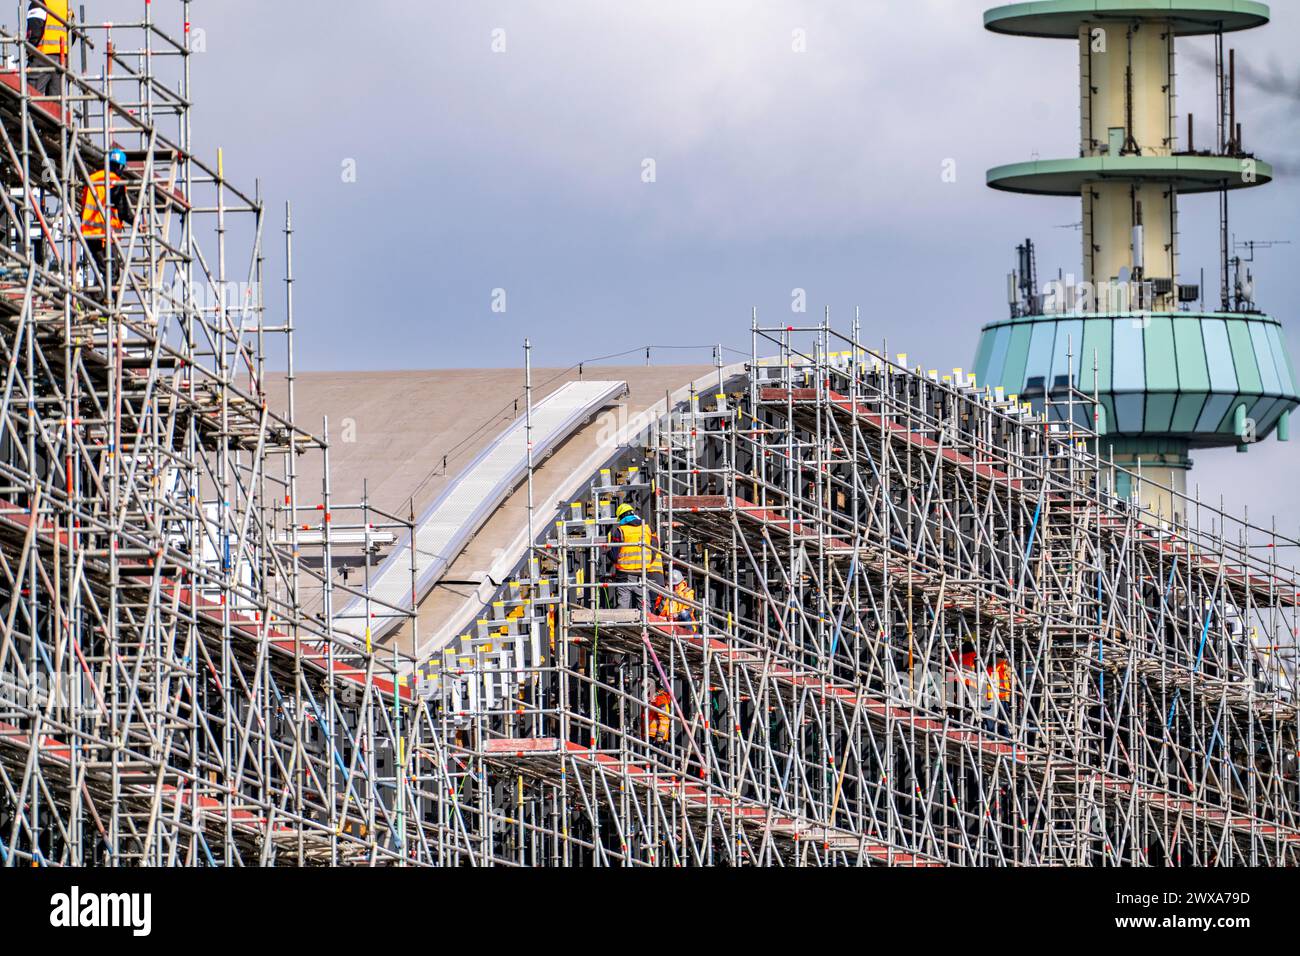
(1170, 375)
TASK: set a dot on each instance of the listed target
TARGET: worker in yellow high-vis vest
(47, 30)
(636, 555)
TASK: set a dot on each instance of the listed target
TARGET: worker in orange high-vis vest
(995, 682)
(105, 211)
(997, 694)
(965, 675)
(47, 30)
(659, 719)
(998, 687)
(681, 606)
(635, 556)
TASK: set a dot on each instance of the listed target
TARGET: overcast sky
(481, 169)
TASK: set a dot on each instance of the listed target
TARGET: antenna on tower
(1131, 147)
(1022, 283)
(1243, 285)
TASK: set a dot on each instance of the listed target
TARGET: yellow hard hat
(624, 509)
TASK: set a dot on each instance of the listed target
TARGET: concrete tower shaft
(1131, 226)
(1107, 55)
(1126, 108)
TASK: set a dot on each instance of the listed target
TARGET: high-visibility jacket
(54, 41)
(1001, 674)
(968, 669)
(636, 552)
(675, 608)
(95, 201)
(657, 725)
(998, 683)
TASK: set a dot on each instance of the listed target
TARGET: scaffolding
(924, 630)
(171, 688)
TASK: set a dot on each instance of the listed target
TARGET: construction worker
(105, 196)
(966, 678)
(997, 695)
(659, 717)
(47, 30)
(635, 555)
(681, 606)
(989, 688)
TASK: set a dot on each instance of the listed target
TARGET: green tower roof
(1189, 174)
(1062, 18)
(1180, 375)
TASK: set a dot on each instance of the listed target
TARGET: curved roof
(1061, 19)
(441, 621)
(389, 433)
(446, 526)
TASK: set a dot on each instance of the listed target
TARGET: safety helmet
(678, 577)
(624, 509)
(117, 159)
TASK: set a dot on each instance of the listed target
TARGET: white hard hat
(678, 577)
